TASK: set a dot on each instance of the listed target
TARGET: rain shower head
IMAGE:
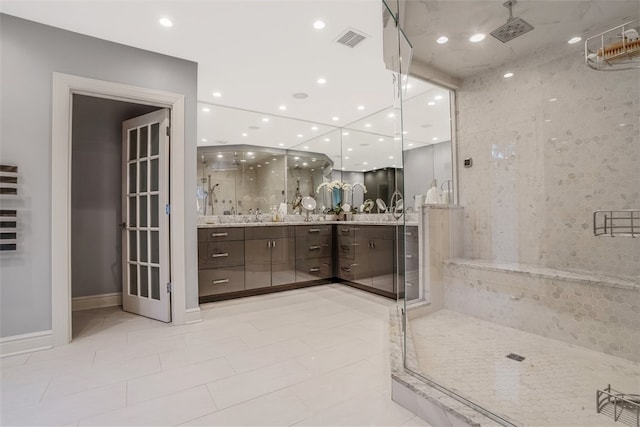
(515, 27)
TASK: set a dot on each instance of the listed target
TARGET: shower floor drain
(515, 357)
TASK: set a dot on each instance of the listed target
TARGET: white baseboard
(192, 315)
(96, 301)
(26, 343)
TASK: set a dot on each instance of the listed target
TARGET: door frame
(64, 87)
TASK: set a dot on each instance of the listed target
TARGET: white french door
(145, 204)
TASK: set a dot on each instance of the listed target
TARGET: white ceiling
(257, 54)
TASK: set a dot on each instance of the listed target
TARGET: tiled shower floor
(555, 385)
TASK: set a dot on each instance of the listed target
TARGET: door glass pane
(133, 144)
(155, 283)
(143, 246)
(133, 279)
(143, 177)
(143, 211)
(133, 247)
(155, 247)
(155, 139)
(133, 208)
(144, 141)
(154, 175)
(154, 217)
(144, 281)
(132, 178)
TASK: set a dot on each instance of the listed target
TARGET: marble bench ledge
(546, 273)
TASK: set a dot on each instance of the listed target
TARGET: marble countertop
(216, 221)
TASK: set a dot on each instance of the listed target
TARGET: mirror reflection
(251, 162)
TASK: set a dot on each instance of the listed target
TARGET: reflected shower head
(515, 27)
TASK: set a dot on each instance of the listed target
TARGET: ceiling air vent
(351, 37)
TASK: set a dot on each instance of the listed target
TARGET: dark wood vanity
(242, 261)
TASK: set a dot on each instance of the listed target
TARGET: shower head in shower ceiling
(515, 27)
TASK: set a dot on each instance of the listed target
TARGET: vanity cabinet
(314, 252)
(366, 256)
(220, 260)
(269, 254)
(408, 271)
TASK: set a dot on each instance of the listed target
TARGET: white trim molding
(64, 87)
(193, 315)
(96, 301)
(25, 343)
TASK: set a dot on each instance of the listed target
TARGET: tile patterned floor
(316, 356)
(554, 386)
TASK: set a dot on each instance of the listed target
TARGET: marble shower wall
(549, 146)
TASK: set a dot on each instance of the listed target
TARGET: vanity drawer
(220, 254)
(314, 269)
(269, 232)
(314, 230)
(220, 234)
(354, 271)
(220, 280)
(351, 248)
(313, 247)
(346, 231)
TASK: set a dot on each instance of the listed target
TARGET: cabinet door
(283, 261)
(382, 262)
(257, 263)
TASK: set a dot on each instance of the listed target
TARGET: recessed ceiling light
(204, 140)
(574, 40)
(206, 110)
(438, 97)
(477, 38)
(547, 120)
(217, 94)
(367, 125)
(397, 138)
(318, 25)
(553, 99)
(404, 132)
(435, 138)
(249, 153)
(380, 139)
(314, 160)
(245, 134)
(259, 166)
(306, 147)
(345, 133)
(281, 144)
(346, 157)
(391, 115)
(431, 103)
(265, 119)
(365, 163)
(391, 157)
(296, 158)
(351, 149)
(507, 75)
(300, 135)
(360, 107)
(314, 127)
(220, 156)
(335, 118)
(411, 145)
(621, 124)
(266, 163)
(166, 22)
(321, 80)
(282, 107)
(305, 164)
(327, 140)
(442, 39)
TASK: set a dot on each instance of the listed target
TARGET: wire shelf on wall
(615, 49)
(625, 223)
(619, 406)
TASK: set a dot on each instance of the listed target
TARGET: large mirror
(251, 162)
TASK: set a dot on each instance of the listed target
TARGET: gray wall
(96, 193)
(422, 165)
(29, 54)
